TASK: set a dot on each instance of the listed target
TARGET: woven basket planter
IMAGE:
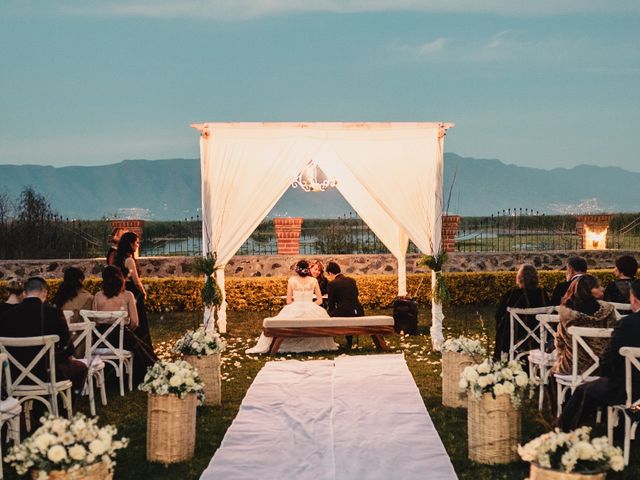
(537, 473)
(493, 429)
(453, 364)
(97, 471)
(171, 428)
(208, 367)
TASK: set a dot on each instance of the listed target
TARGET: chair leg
(131, 374)
(121, 376)
(627, 438)
(27, 414)
(14, 430)
(610, 425)
(101, 386)
(92, 400)
(66, 398)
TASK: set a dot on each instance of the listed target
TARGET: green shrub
(376, 291)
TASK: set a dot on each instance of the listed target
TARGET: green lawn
(129, 413)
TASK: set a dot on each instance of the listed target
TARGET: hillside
(170, 189)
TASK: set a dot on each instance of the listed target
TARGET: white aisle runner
(353, 418)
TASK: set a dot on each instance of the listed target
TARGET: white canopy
(390, 173)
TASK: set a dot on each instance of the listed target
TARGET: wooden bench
(374, 325)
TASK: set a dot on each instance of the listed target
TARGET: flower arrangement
(199, 342)
(572, 452)
(211, 294)
(178, 378)
(464, 345)
(66, 444)
(496, 377)
(436, 262)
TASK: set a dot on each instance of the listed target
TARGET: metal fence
(517, 229)
(507, 230)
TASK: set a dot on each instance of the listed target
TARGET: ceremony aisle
(351, 417)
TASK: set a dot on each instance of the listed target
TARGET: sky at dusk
(543, 84)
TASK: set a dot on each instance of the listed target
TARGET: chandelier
(308, 179)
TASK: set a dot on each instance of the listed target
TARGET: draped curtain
(391, 174)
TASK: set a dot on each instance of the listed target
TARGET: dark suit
(561, 289)
(610, 389)
(343, 300)
(33, 318)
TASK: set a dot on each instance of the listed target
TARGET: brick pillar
(135, 226)
(288, 234)
(592, 230)
(449, 230)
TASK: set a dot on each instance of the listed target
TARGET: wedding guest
(610, 388)
(316, 268)
(625, 271)
(71, 294)
(527, 294)
(125, 261)
(581, 308)
(35, 317)
(343, 296)
(576, 267)
(16, 294)
(116, 234)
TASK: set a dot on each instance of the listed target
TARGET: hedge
(376, 291)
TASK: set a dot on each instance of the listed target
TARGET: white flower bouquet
(572, 452)
(496, 377)
(63, 444)
(464, 345)
(199, 342)
(178, 378)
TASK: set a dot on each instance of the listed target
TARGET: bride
(301, 289)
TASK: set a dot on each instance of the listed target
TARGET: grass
(128, 413)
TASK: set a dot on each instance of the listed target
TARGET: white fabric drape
(390, 173)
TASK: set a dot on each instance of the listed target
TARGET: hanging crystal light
(308, 179)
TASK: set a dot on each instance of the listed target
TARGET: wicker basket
(97, 471)
(493, 429)
(171, 428)
(537, 473)
(208, 367)
(453, 364)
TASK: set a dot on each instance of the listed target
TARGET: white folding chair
(81, 333)
(579, 336)
(516, 320)
(27, 386)
(621, 309)
(9, 410)
(541, 360)
(631, 362)
(116, 356)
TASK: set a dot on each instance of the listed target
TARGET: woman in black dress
(527, 295)
(125, 261)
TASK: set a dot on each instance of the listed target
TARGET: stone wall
(267, 266)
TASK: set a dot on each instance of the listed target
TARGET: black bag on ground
(405, 315)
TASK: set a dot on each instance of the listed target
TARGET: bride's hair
(302, 268)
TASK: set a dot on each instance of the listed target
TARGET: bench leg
(379, 342)
(275, 344)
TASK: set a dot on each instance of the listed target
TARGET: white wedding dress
(302, 307)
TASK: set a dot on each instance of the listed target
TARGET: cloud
(249, 9)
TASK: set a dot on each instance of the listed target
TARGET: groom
(343, 296)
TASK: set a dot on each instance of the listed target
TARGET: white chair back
(115, 320)
(579, 336)
(631, 361)
(622, 309)
(548, 324)
(516, 319)
(68, 315)
(25, 373)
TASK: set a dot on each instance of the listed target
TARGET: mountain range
(170, 189)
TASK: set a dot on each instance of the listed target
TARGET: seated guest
(527, 294)
(116, 234)
(114, 297)
(610, 389)
(316, 268)
(576, 267)
(581, 308)
(34, 317)
(624, 271)
(16, 294)
(71, 295)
